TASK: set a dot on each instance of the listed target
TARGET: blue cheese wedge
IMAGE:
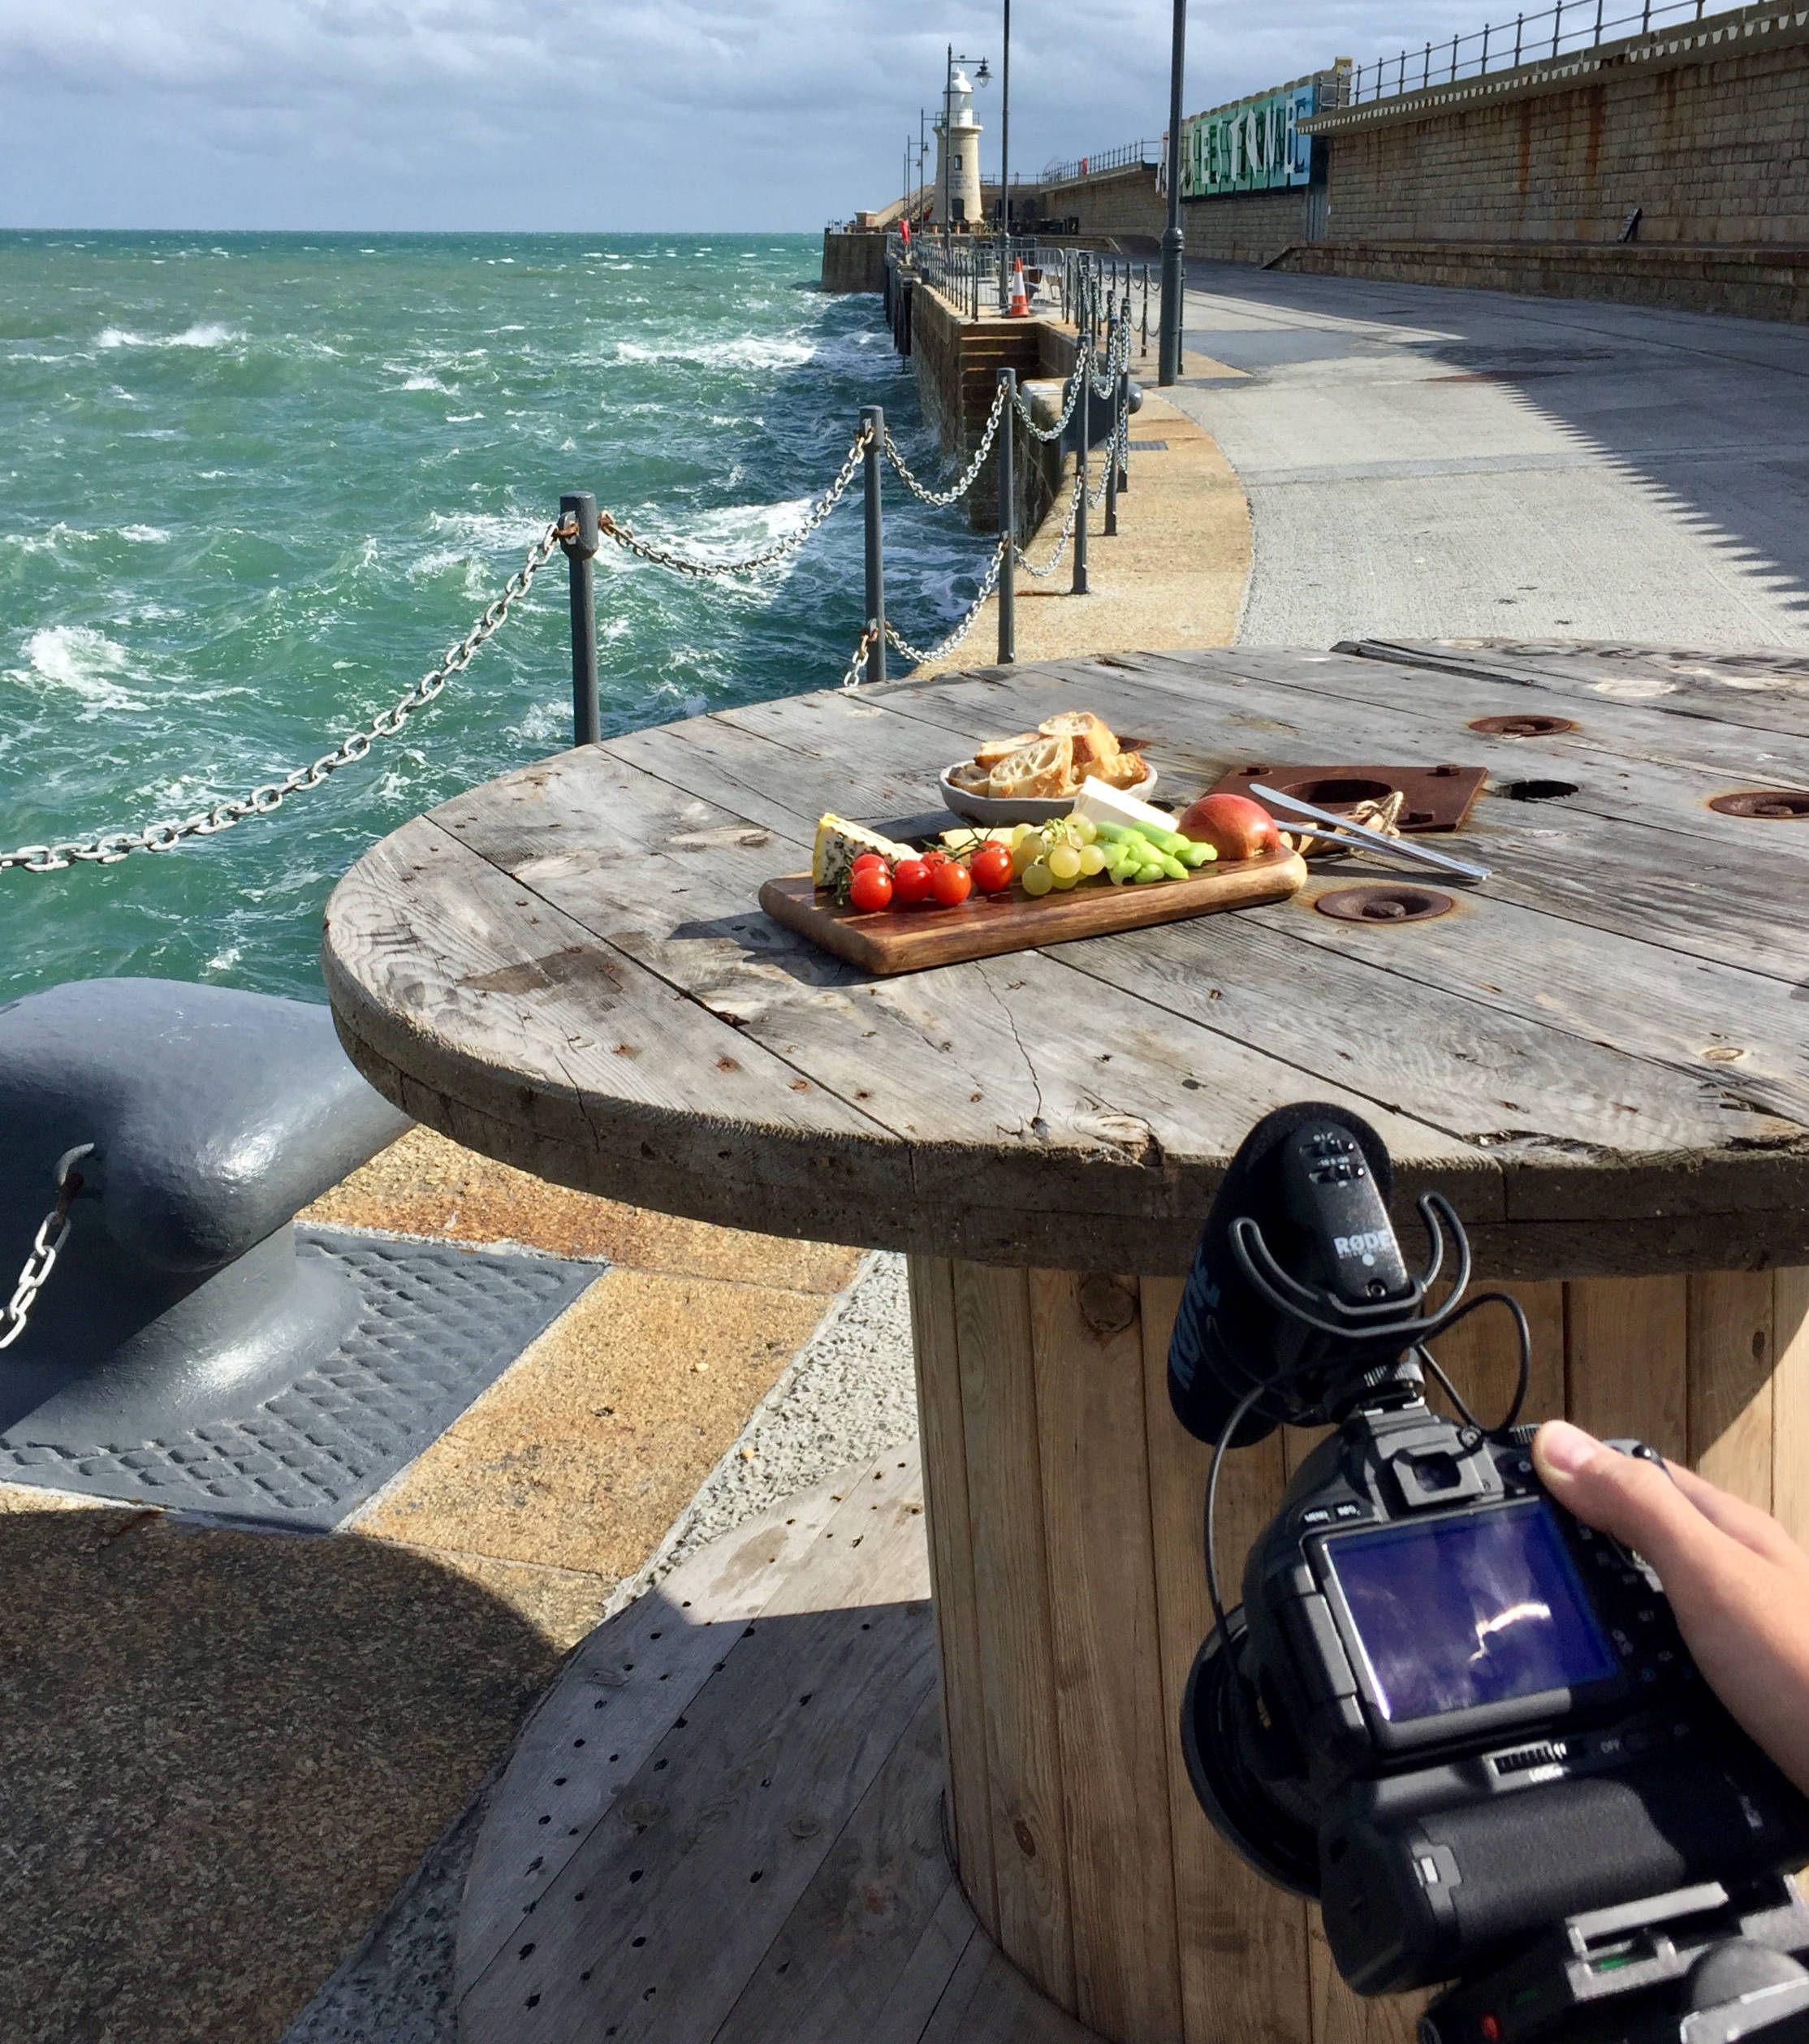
(840, 844)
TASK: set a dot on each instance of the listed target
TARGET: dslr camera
(1461, 1721)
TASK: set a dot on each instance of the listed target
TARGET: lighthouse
(958, 152)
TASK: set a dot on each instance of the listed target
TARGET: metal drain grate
(438, 1325)
(1146, 447)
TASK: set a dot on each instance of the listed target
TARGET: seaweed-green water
(251, 487)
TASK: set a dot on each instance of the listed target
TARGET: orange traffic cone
(1021, 298)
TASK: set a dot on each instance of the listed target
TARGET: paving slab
(1424, 463)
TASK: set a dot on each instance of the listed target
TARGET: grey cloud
(454, 113)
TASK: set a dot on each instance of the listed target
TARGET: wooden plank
(447, 967)
(1013, 1597)
(889, 940)
(1087, 1343)
(1241, 1941)
(727, 1824)
(613, 1701)
(1550, 1107)
(944, 1449)
(927, 1975)
(988, 2001)
(1791, 1401)
(1731, 1384)
(1626, 1360)
(1481, 1355)
(1764, 690)
(834, 1967)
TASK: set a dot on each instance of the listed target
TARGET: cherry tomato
(866, 860)
(935, 858)
(950, 884)
(991, 868)
(911, 880)
(871, 888)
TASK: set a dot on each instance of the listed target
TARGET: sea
(251, 486)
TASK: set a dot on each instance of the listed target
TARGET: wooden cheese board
(889, 940)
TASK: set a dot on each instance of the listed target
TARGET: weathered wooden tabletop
(1597, 1055)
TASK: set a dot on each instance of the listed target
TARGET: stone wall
(1711, 142)
(853, 261)
(1761, 283)
(1126, 206)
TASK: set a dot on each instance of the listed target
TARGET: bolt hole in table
(1597, 1055)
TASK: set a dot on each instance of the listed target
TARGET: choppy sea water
(251, 486)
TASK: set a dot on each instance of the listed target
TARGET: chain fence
(919, 656)
(107, 848)
(704, 566)
(969, 476)
(46, 1248)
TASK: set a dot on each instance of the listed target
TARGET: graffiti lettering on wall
(1255, 145)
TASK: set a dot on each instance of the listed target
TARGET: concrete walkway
(1429, 463)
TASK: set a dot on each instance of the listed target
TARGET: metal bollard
(581, 555)
(1007, 523)
(1083, 426)
(873, 417)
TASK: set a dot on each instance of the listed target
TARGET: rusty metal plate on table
(1524, 725)
(1437, 798)
(1765, 804)
(1384, 904)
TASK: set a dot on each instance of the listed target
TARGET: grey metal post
(1112, 435)
(1124, 398)
(580, 554)
(1083, 427)
(1174, 241)
(1007, 523)
(874, 419)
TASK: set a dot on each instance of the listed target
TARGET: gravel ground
(848, 1392)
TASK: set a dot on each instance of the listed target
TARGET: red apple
(1233, 825)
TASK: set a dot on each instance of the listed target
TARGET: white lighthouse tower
(958, 153)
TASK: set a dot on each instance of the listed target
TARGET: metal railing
(1570, 27)
(975, 273)
(1127, 153)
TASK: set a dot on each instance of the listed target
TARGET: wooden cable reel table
(1597, 1056)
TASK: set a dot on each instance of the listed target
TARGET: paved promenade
(1423, 462)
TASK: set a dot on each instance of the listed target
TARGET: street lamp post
(1005, 166)
(1174, 241)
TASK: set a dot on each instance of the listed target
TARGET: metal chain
(108, 847)
(851, 678)
(917, 655)
(1060, 426)
(43, 1258)
(941, 497)
(1053, 561)
(698, 564)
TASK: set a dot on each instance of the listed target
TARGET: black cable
(1525, 1378)
(1219, 1447)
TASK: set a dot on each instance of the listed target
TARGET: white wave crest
(143, 535)
(210, 333)
(419, 383)
(81, 660)
(748, 351)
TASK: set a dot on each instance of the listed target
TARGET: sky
(598, 115)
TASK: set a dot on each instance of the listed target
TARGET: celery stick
(1173, 868)
(1197, 855)
(1146, 873)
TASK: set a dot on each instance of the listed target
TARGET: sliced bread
(1092, 738)
(989, 751)
(1044, 768)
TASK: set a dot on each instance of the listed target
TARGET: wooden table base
(1065, 1511)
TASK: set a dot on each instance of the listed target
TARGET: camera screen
(1468, 1609)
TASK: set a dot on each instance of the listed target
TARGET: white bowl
(986, 811)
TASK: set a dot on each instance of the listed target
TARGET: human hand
(1739, 1584)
